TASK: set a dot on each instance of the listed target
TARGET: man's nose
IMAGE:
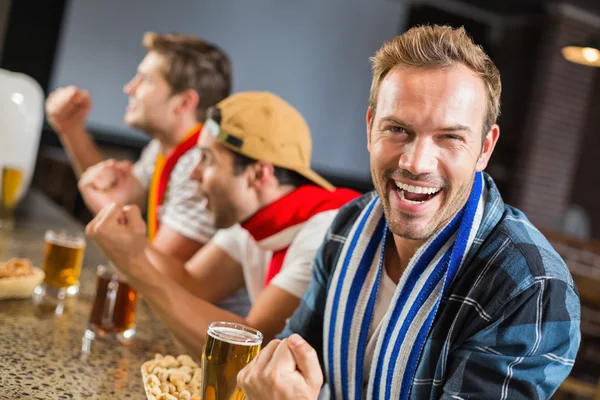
(130, 86)
(419, 157)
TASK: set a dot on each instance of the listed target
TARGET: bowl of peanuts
(172, 378)
(18, 278)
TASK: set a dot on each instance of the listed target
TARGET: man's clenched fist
(67, 109)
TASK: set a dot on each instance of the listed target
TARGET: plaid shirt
(509, 322)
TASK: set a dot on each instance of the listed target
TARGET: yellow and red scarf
(275, 226)
(163, 166)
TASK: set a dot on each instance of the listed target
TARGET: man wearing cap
(254, 170)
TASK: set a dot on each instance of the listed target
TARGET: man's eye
(396, 129)
(452, 137)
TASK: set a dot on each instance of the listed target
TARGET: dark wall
(592, 6)
(31, 37)
(515, 56)
(586, 189)
(4, 13)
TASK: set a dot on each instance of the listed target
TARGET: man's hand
(287, 369)
(110, 181)
(67, 108)
(120, 232)
(102, 176)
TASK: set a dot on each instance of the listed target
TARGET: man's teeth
(417, 189)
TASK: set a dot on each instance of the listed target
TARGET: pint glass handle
(109, 303)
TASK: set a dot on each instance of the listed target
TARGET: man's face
(425, 144)
(152, 107)
(227, 194)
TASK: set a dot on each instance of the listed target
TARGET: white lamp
(586, 53)
(21, 118)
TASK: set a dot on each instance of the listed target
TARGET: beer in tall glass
(62, 260)
(11, 181)
(228, 349)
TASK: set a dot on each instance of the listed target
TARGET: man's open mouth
(416, 194)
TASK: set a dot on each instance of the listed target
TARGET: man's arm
(173, 243)
(67, 108)
(109, 182)
(526, 353)
(81, 149)
(188, 316)
(120, 232)
(211, 274)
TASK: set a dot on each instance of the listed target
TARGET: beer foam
(64, 240)
(235, 336)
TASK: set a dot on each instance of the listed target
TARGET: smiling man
(430, 287)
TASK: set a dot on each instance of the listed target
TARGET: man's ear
(188, 100)
(370, 116)
(491, 138)
(261, 173)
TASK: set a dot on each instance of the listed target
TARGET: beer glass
(11, 181)
(62, 262)
(113, 312)
(228, 349)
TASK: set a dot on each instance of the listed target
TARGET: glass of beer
(11, 181)
(113, 312)
(62, 262)
(228, 349)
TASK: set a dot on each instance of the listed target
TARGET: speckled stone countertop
(41, 353)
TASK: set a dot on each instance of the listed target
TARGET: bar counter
(41, 353)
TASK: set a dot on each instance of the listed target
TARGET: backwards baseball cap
(264, 127)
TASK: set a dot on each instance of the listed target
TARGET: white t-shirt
(295, 273)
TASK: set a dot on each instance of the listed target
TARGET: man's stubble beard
(456, 206)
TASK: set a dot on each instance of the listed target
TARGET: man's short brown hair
(192, 63)
(438, 47)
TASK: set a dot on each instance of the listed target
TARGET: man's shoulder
(233, 234)
(144, 166)
(184, 165)
(319, 222)
(340, 229)
(150, 151)
(517, 250)
(349, 213)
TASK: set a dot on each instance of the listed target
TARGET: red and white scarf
(275, 226)
(163, 166)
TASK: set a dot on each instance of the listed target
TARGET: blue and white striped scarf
(406, 324)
